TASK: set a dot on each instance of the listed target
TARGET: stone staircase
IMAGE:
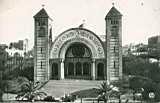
(58, 88)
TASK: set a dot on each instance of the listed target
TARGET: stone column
(159, 62)
(93, 73)
(62, 69)
(82, 69)
(50, 70)
(74, 69)
(66, 69)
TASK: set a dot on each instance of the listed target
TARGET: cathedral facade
(78, 53)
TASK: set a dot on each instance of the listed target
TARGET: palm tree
(29, 90)
(114, 89)
(105, 91)
(123, 87)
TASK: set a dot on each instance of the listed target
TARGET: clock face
(42, 32)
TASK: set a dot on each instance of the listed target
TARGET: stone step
(58, 88)
(74, 81)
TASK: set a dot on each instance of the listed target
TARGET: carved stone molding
(77, 35)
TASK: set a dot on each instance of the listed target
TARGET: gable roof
(113, 12)
(41, 13)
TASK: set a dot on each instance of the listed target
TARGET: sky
(141, 18)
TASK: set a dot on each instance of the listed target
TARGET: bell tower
(42, 31)
(114, 44)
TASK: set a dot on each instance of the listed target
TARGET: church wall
(114, 47)
(41, 53)
(106, 59)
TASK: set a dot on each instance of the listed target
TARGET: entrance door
(77, 62)
(100, 71)
(78, 69)
(86, 69)
(54, 71)
(70, 69)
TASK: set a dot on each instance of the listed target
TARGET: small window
(111, 21)
(43, 23)
(114, 22)
(41, 50)
(41, 64)
(38, 23)
(117, 22)
(114, 49)
(42, 32)
(115, 27)
(50, 31)
(114, 64)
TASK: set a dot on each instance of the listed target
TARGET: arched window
(42, 32)
(100, 70)
(86, 68)
(78, 50)
(114, 30)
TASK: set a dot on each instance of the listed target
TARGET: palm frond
(29, 90)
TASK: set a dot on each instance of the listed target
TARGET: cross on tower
(43, 5)
(113, 3)
(84, 20)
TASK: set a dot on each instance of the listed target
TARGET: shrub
(69, 98)
(1, 94)
(50, 99)
(14, 85)
(28, 72)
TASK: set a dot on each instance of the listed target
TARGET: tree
(3, 58)
(106, 91)
(123, 87)
(29, 90)
(154, 52)
(28, 72)
(145, 86)
(133, 65)
(2, 88)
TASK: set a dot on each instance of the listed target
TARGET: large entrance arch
(63, 41)
(78, 59)
(77, 50)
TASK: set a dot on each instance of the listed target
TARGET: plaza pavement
(58, 88)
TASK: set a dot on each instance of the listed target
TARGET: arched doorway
(78, 69)
(70, 69)
(86, 68)
(78, 61)
(54, 71)
(100, 71)
(77, 45)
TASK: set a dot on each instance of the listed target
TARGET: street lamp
(142, 90)
(152, 96)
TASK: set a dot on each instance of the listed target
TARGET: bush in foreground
(50, 99)
(69, 98)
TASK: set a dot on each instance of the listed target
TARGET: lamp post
(142, 90)
(152, 96)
